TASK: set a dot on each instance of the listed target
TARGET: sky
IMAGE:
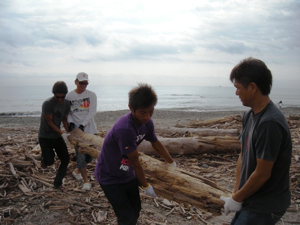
(159, 42)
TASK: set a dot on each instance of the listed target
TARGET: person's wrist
(146, 186)
(236, 201)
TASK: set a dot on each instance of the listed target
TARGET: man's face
(81, 85)
(142, 115)
(59, 97)
(244, 94)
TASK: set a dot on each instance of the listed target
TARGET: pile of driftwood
(205, 152)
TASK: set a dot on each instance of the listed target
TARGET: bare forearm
(237, 175)
(162, 151)
(140, 174)
(66, 125)
(54, 128)
(253, 184)
(137, 167)
(256, 180)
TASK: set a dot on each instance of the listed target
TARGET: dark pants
(250, 218)
(125, 200)
(48, 146)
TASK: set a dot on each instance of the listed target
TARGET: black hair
(142, 96)
(60, 87)
(253, 70)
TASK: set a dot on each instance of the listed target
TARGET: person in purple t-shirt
(118, 169)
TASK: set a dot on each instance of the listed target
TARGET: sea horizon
(27, 101)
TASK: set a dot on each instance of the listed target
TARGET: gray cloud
(41, 36)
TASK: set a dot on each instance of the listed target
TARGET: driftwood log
(170, 182)
(197, 131)
(221, 120)
(194, 145)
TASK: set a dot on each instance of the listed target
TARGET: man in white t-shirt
(82, 113)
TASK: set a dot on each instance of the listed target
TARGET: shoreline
(161, 117)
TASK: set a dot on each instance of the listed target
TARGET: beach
(105, 120)
(19, 134)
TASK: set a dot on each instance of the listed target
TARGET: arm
(257, 179)
(162, 151)
(65, 123)
(238, 173)
(50, 123)
(137, 167)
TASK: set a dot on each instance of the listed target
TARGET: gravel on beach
(169, 117)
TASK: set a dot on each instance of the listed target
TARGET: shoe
(77, 176)
(61, 187)
(86, 187)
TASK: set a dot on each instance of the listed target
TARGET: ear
(131, 109)
(252, 87)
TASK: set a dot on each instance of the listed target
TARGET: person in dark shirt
(261, 194)
(54, 112)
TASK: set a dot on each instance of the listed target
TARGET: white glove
(65, 136)
(231, 205)
(173, 164)
(150, 191)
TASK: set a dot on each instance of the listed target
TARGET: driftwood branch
(12, 169)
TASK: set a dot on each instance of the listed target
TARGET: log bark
(182, 186)
(33, 160)
(194, 145)
(215, 121)
(21, 163)
(294, 117)
(12, 169)
(170, 182)
(197, 131)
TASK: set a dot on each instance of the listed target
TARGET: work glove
(81, 127)
(173, 164)
(231, 205)
(71, 126)
(149, 191)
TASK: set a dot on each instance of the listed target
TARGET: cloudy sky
(159, 41)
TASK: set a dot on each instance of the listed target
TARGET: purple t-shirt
(113, 166)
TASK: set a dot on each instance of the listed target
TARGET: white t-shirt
(83, 110)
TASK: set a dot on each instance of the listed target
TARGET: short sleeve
(151, 136)
(47, 108)
(269, 139)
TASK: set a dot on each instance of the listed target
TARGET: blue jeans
(82, 159)
(125, 200)
(48, 146)
(250, 218)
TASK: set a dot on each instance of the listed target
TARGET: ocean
(27, 101)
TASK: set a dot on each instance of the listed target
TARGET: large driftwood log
(194, 145)
(198, 131)
(225, 119)
(170, 182)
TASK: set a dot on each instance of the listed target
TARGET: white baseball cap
(82, 76)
